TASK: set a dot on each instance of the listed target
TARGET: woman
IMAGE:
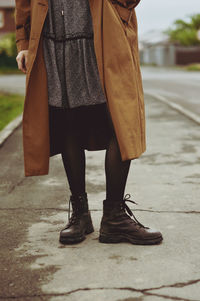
(84, 91)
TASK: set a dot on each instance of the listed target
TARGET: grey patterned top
(70, 60)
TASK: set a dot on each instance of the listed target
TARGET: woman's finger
(21, 62)
(26, 60)
(24, 63)
(18, 59)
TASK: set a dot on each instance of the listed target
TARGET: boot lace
(128, 211)
(74, 218)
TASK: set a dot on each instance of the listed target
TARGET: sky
(160, 14)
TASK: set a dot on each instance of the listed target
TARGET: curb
(9, 129)
(194, 117)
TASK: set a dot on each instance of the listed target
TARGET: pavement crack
(100, 210)
(160, 211)
(33, 209)
(178, 284)
(17, 184)
(168, 297)
(145, 292)
(168, 211)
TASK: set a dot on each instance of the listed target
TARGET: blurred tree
(185, 33)
(8, 44)
(8, 51)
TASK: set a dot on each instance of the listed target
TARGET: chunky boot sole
(117, 238)
(77, 239)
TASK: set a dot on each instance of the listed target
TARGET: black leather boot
(80, 222)
(118, 224)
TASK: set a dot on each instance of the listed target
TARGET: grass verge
(193, 67)
(189, 67)
(9, 70)
(11, 105)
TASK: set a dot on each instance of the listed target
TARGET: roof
(7, 3)
(153, 37)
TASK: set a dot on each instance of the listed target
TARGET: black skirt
(92, 124)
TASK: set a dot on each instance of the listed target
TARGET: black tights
(116, 170)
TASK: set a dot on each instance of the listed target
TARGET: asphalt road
(12, 83)
(178, 86)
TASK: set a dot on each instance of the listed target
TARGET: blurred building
(155, 48)
(7, 21)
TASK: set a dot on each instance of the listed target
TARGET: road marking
(175, 106)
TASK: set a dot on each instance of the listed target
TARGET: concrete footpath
(165, 181)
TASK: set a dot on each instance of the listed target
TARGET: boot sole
(117, 238)
(75, 240)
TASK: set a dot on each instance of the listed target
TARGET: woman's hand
(22, 60)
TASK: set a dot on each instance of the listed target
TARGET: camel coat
(116, 49)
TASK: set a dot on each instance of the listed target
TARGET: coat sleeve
(22, 24)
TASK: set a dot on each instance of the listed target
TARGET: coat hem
(36, 173)
(133, 156)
